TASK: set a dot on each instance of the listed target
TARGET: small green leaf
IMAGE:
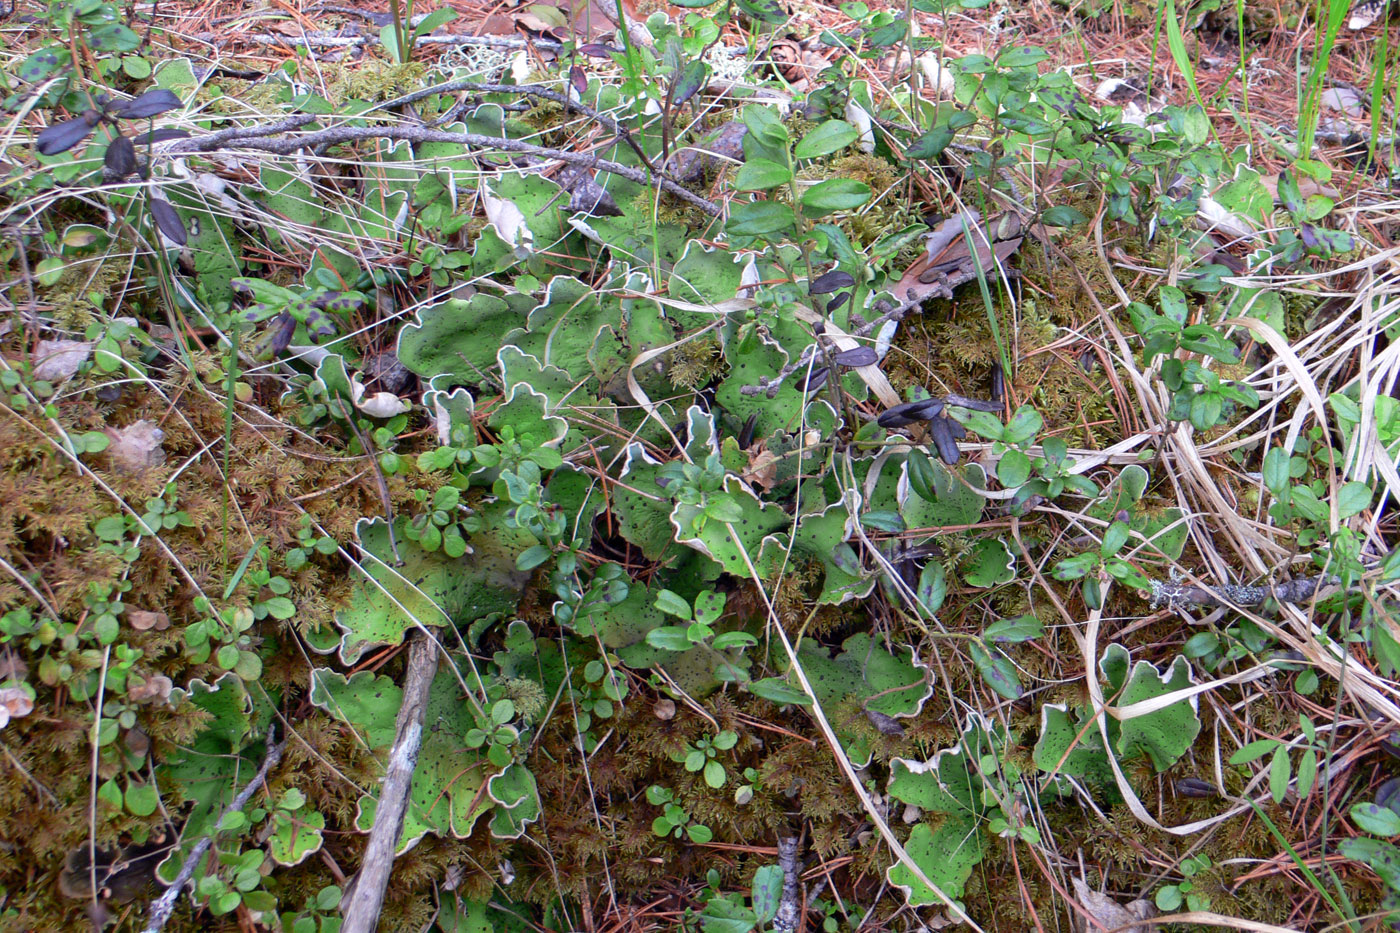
(714, 774)
(672, 604)
(1280, 771)
(835, 194)
(532, 557)
(1276, 470)
(761, 175)
(1253, 751)
(759, 218)
(883, 520)
(1014, 469)
(1114, 538)
(777, 690)
(1062, 215)
(1353, 498)
(723, 508)
(831, 136)
(670, 638)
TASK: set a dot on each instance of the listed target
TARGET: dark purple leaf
(1309, 234)
(578, 79)
(746, 433)
(597, 50)
(1195, 787)
(1388, 794)
(64, 136)
(909, 412)
(887, 725)
(959, 432)
(837, 302)
(943, 440)
(120, 159)
(998, 383)
(816, 380)
(830, 282)
(283, 327)
(692, 81)
(149, 104)
(856, 357)
(168, 221)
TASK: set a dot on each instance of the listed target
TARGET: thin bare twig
(317, 40)
(165, 904)
(345, 134)
(532, 90)
(789, 913)
(1183, 596)
(366, 898)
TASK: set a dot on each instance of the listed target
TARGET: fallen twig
(1183, 596)
(533, 90)
(789, 914)
(366, 898)
(326, 41)
(344, 134)
(165, 904)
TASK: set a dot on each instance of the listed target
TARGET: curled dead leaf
(57, 360)
(1111, 915)
(158, 687)
(144, 619)
(15, 702)
(762, 470)
(136, 446)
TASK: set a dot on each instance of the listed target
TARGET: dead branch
(1183, 596)
(366, 898)
(345, 134)
(165, 904)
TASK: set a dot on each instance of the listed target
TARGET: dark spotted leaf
(882, 37)
(691, 82)
(856, 357)
(318, 325)
(38, 67)
(112, 37)
(998, 671)
(64, 136)
(120, 159)
(931, 144)
(168, 221)
(149, 104)
(830, 282)
(341, 302)
(766, 11)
